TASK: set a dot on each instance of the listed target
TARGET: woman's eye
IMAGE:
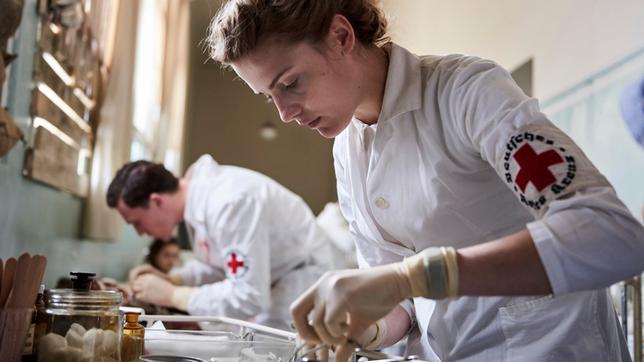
(291, 85)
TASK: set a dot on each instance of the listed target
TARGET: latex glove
(344, 303)
(151, 288)
(124, 288)
(319, 354)
(147, 269)
(371, 339)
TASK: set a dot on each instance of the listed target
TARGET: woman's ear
(341, 38)
(156, 199)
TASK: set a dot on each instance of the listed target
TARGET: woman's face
(310, 85)
(168, 257)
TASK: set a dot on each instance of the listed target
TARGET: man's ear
(155, 199)
(341, 36)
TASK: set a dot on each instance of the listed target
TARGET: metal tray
(228, 340)
(222, 339)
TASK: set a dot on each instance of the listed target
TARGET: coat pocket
(550, 328)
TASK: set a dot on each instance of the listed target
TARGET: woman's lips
(314, 123)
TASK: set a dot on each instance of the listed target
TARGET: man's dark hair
(135, 181)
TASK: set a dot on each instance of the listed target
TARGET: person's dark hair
(155, 249)
(135, 181)
(240, 25)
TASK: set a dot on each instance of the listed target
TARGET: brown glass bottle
(132, 340)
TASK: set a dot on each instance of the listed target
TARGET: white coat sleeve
(585, 236)
(240, 231)
(196, 272)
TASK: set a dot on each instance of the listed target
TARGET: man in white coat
(257, 244)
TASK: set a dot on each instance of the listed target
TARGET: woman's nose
(288, 111)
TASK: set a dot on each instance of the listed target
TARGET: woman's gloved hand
(341, 305)
(311, 350)
(371, 339)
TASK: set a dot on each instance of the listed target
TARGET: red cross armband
(237, 264)
(541, 164)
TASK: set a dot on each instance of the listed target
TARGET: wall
(224, 119)
(569, 40)
(40, 219)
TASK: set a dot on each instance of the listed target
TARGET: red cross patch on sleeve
(535, 166)
(236, 264)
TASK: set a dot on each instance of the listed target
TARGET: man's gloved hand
(147, 269)
(342, 304)
(150, 288)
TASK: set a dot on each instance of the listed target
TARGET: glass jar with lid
(80, 323)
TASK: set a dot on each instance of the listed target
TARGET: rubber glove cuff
(432, 273)
(181, 297)
(374, 336)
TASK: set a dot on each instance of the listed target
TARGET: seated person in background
(257, 244)
(163, 255)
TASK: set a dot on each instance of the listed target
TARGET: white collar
(403, 89)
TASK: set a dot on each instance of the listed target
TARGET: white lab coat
(257, 244)
(445, 165)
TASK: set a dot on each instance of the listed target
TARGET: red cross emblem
(234, 263)
(534, 167)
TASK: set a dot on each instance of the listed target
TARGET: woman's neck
(375, 66)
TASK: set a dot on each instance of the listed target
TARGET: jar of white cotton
(79, 324)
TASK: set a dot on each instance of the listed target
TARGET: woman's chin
(330, 132)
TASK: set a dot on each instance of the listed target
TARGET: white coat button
(381, 203)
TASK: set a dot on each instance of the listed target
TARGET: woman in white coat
(257, 244)
(490, 234)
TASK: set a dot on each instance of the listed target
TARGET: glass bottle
(133, 337)
(80, 323)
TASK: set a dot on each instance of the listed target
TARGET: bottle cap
(82, 281)
(132, 317)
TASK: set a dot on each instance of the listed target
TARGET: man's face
(155, 220)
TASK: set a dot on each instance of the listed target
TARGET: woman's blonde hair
(240, 25)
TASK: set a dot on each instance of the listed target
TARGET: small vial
(133, 337)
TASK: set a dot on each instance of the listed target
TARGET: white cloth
(457, 147)
(343, 249)
(258, 239)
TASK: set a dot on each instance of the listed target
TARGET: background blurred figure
(164, 255)
(257, 245)
(632, 106)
